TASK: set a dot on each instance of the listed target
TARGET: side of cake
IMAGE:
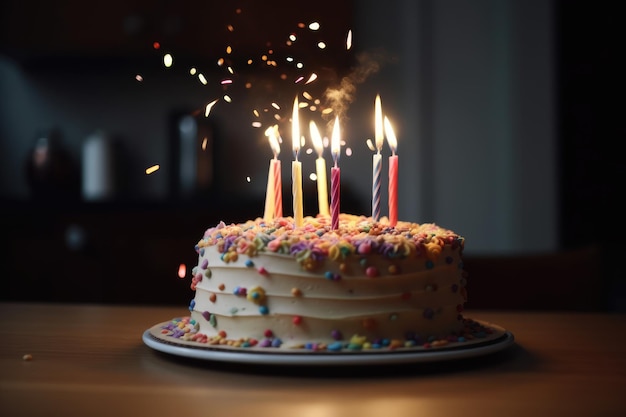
(364, 285)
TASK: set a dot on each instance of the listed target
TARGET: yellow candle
(269, 194)
(296, 168)
(320, 170)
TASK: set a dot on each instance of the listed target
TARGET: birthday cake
(268, 284)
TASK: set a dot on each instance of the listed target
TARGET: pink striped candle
(393, 174)
(335, 175)
(278, 190)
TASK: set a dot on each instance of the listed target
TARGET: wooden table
(89, 360)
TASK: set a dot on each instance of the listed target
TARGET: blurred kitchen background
(507, 113)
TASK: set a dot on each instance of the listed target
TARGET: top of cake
(315, 240)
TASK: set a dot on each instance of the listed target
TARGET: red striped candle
(393, 174)
(393, 190)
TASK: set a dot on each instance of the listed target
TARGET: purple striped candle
(377, 168)
(335, 180)
(335, 175)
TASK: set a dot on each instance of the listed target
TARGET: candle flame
(182, 271)
(312, 78)
(349, 40)
(209, 107)
(272, 134)
(316, 138)
(379, 136)
(391, 136)
(335, 142)
(314, 26)
(295, 127)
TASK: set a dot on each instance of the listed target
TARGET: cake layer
(316, 285)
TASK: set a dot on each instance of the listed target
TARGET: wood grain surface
(89, 360)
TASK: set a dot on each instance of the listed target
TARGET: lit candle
(274, 193)
(377, 164)
(393, 174)
(320, 170)
(335, 175)
(296, 167)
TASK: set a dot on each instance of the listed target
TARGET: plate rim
(370, 357)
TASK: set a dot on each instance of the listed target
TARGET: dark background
(60, 248)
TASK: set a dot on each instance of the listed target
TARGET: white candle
(296, 168)
(320, 170)
(377, 158)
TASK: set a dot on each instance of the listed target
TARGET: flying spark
(152, 169)
(209, 107)
(168, 60)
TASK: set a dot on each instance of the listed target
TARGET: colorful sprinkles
(186, 329)
(315, 240)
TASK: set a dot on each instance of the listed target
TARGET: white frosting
(407, 297)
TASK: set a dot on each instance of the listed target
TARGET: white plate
(498, 340)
